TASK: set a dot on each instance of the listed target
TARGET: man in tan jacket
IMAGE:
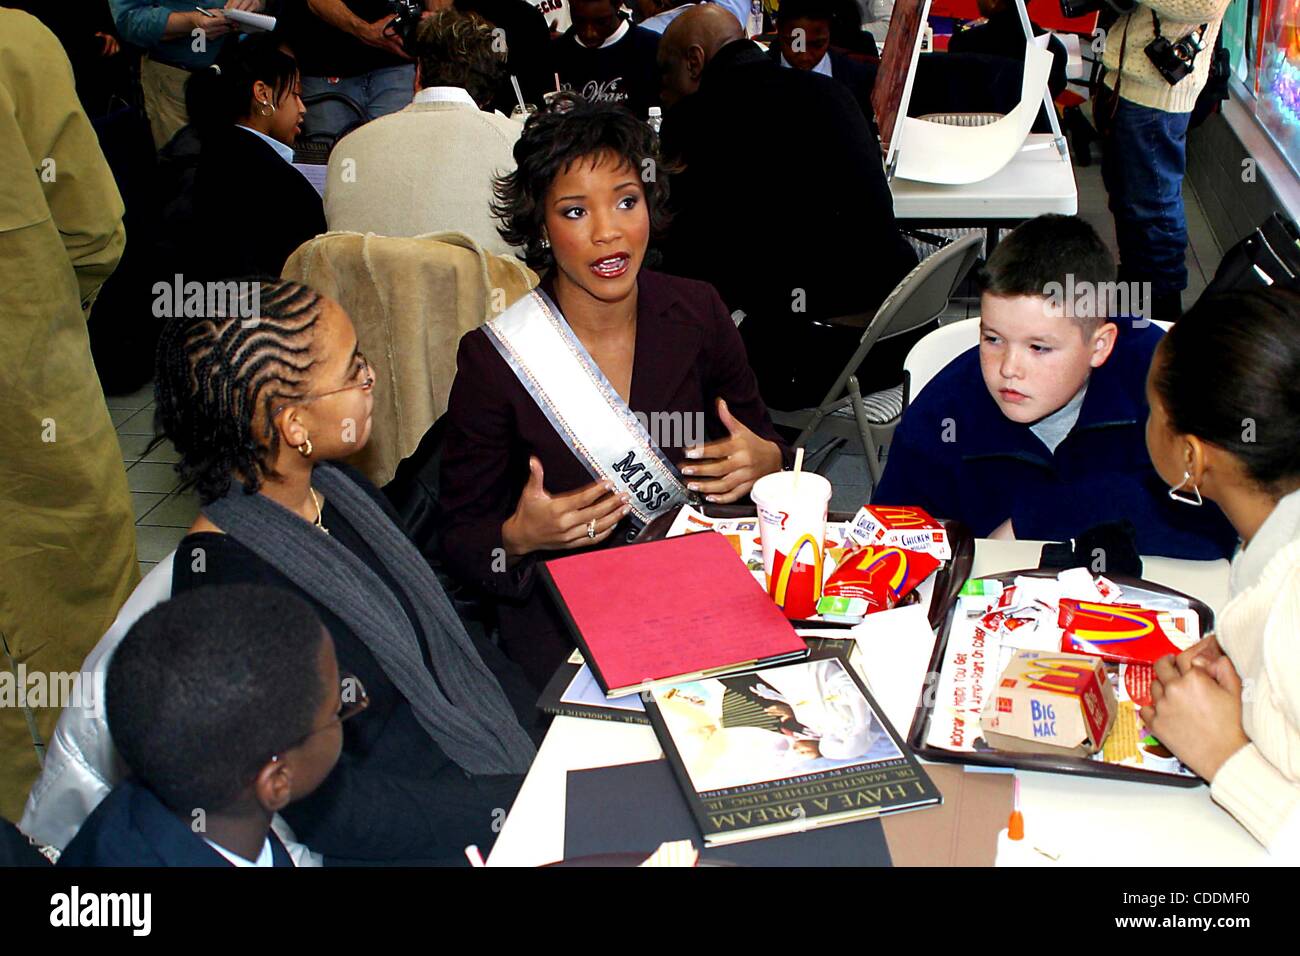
(429, 167)
(67, 540)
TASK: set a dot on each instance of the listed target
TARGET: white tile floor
(163, 513)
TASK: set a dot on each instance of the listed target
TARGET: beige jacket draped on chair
(410, 300)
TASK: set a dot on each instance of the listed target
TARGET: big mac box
(1052, 703)
(899, 526)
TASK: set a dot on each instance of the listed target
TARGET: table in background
(1089, 821)
(1036, 181)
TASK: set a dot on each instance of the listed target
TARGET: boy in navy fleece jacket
(1039, 432)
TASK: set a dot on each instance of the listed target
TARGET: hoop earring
(267, 109)
(305, 445)
(1193, 498)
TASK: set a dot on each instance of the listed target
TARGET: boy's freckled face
(1033, 357)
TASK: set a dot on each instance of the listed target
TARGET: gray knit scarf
(472, 722)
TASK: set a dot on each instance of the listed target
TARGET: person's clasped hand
(733, 463)
(1196, 709)
(546, 522)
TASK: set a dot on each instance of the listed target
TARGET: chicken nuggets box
(900, 527)
(1049, 702)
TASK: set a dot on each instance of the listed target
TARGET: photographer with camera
(354, 49)
(1158, 58)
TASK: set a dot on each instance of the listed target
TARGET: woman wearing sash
(259, 410)
(603, 399)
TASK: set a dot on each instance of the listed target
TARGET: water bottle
(755, 26)
(656, 118)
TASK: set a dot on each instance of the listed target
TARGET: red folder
(667, 611)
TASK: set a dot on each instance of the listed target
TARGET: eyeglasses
(364, 370)
(353, 699)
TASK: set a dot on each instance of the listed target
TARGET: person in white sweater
(1143, 115)
(1224, 391)
(430, 167)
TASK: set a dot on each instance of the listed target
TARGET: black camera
(406, 18)
(1175, 60)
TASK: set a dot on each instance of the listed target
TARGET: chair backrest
(919, 297)
(411, 300)
(928, 356)
(81, 764)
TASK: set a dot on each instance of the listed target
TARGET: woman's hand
(735, 462)
(250, 6)
(1196, 712)
(546, 522)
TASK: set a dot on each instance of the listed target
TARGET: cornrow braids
(216, 373)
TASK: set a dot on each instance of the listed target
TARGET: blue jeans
(1143, 167)
(375, 94)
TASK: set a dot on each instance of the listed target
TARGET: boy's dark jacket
(957, 456)
(132, 827)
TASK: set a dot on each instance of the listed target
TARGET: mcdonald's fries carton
(873, 579)
(1050, 702)
(900, 527)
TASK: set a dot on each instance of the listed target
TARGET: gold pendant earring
(305, 448)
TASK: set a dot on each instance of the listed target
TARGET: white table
(1086, 821)
(1035, 182)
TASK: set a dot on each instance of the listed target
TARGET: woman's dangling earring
(305, 448)
(546, 243)
(1188, 498)
(267, 109)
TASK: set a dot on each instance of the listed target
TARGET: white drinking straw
(798, 466)
(519, 95)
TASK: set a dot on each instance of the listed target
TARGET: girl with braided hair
(260, 410)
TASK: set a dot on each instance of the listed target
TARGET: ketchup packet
(881, 576)
(909, 528)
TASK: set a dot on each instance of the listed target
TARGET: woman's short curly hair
(566, 131)
(460, 49)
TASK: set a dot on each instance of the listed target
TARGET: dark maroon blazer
(688, 354)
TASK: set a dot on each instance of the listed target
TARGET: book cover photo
(783, 749)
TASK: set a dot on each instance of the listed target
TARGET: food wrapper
(1050, 703)
(1124, 633)
(902, 527)
(878, 577)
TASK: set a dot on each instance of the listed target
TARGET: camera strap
(1199, 31)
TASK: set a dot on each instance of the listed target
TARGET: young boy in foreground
(1038, 433)
(226, 704)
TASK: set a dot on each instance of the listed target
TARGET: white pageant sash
(583, 407)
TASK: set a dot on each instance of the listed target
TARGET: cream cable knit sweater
(1142, 82)
(1259, 629)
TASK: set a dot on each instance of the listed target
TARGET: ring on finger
(591, 528)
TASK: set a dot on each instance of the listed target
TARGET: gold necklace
(319, 518)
